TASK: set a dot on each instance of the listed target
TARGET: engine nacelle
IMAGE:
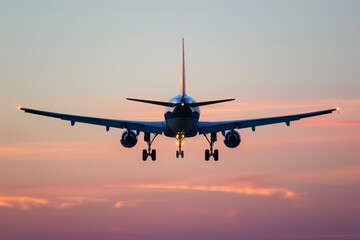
(128, 139)
(232, 139)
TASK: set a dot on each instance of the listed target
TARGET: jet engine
(232, 139)
(128, 139)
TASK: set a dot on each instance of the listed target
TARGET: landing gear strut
(179, 141)
(148, 152)
(210, 152)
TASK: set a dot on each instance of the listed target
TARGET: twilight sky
(85, 57)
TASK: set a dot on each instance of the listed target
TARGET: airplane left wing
(148, 127)
(211, 127)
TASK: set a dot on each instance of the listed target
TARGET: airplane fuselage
(181, 119)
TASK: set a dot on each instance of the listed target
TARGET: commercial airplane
(181, 120)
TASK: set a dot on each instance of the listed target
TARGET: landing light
(182, 104)
(338, 109)
(18, 107)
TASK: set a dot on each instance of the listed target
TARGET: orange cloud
(69, 150)
(119, 204)
(225, 189)
(77, 201)
(133, 203)
(33, 149)
(22, 202)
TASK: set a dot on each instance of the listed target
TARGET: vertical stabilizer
(182, 71)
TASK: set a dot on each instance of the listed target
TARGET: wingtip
(337, 110)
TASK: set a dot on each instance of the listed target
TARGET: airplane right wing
(211, 127)
(148, 127)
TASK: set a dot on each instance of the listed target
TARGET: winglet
(182, 71)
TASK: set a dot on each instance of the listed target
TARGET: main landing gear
(180, 141)
(148, 152)
(210, 152)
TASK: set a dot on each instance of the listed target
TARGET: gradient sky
(85, 57)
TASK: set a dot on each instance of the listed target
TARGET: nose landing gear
(210, 152)
(180, 141)
(148, 152)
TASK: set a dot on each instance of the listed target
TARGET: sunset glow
(276, 58)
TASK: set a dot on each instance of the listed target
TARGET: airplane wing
(149, 127)
(210, 127)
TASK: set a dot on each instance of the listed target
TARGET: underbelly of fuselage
(182, 118)
(185, 125)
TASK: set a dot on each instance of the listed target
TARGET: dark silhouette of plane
(181, 120)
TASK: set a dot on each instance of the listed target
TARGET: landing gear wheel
(153, 155)
(179, 138)
(148, 152)
(144, 155)
(210, 152)
(207, 155)
(216, 155)
(179, 154)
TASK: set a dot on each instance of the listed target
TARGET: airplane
(181, 120)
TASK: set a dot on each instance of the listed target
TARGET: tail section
(182, 71)
(182, 90)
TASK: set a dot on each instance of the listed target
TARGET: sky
(86, 57)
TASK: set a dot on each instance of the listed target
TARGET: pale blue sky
(279, 49)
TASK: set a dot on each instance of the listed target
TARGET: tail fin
(182, 71)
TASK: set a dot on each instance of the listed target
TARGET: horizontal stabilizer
(198, 104)
(165, 104)
(170, 104)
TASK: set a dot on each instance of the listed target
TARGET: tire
(216, 154)
(182, 154)
(177, 154)
(153, 155)
(144, 155)
(207, 155)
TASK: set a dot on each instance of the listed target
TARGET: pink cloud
(128, 203)
(133, 203)
(245, 190)
(22, 202)
(64, 150)
(78, 201)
